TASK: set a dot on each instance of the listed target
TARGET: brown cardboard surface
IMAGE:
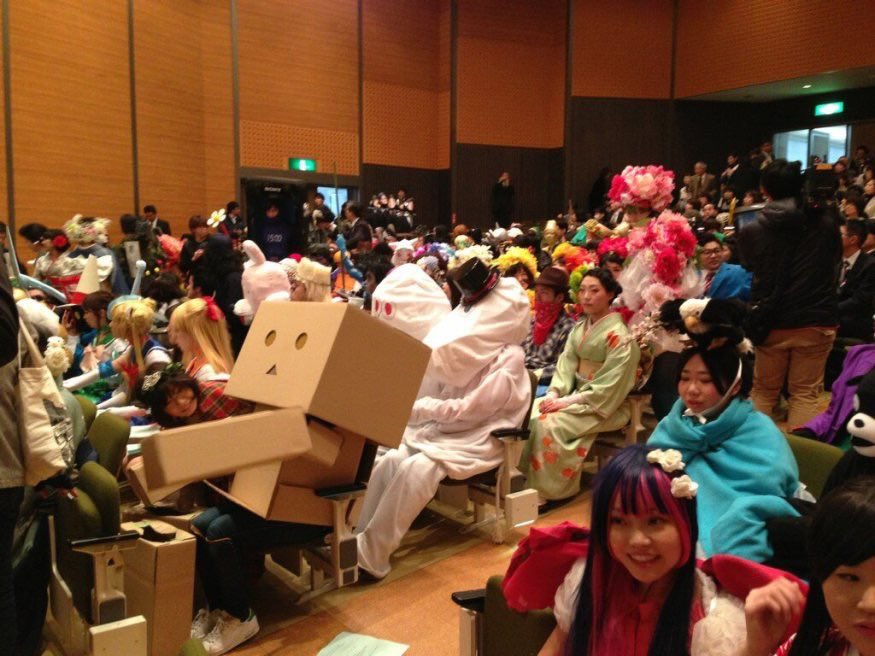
(336, 363)
(136, 472)
(159, 584)
(215, 448)
(284, 490)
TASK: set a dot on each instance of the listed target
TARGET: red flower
(536, 464)
(550, 457)
(547, 440)
(581, 452)
(568, 472)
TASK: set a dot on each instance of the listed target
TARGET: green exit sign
(301, 164)
(828, 109)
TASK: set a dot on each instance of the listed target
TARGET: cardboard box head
(336, 363)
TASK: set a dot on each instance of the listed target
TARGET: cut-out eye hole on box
(300, 341)
(270, 338)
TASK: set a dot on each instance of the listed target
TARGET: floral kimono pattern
(595, 372)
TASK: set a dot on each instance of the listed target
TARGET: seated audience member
(198, 329)
(480, 369)
(613, 262)
(856, 284)
(550, 325)
(166, 290)
(176, 399)
(518, 263)
(741, 461)
(193, 247)
(639, 590)
(90, 347)
(131, 322)
(312, 282)
(840, 610)
(594, 374)
(721, 279)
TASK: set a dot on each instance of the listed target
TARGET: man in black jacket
(794, 255)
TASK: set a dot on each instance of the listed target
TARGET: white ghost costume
(481, 384)
(411, 301)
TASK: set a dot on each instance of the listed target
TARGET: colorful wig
(517, 255)
(607, 592)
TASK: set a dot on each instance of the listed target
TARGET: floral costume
(595, 373)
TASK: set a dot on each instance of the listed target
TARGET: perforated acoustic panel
(270, 145)
(726, 44)
(403, 126)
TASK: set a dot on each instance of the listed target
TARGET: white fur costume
(481, 385)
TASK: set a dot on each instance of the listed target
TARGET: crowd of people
(659, 291)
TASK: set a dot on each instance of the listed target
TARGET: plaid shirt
(215, 405)
(544, 357)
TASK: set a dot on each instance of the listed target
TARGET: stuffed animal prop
(860, 459)
(709, 322)
(262, 281)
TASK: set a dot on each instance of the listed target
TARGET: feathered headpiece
(517, 255)
(462, 255)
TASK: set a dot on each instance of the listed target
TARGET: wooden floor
(411, 606)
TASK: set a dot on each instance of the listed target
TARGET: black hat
(474, 280)
(33, 232)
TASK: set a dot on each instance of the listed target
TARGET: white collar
(852, 259)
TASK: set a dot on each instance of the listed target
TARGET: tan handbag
(45, 425)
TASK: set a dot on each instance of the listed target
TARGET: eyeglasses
(712, 251)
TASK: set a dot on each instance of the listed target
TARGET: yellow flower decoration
(517, 255)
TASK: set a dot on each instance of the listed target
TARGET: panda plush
(709, 322)
(859, 460)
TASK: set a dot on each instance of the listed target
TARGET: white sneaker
(203, 623)
(229, 632)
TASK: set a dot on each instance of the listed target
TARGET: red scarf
(546, 315)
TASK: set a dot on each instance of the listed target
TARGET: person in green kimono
(594, 374)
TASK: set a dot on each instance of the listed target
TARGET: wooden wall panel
(406, 84)
(3, 182)
(622, 49)
(220, 169)
(299, 87)
(185, 124)
(70, 110)
(511, 73)
(170, 109)
(726, 44)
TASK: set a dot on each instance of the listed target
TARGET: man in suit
(701, 183)
(856, 284)
(359, 229)
(159, 226)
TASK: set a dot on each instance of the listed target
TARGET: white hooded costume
(480, 384)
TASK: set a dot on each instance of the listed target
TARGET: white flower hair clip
(683, 487)
(670, 460)
(216, 218)
(151, 380)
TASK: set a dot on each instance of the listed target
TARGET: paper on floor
(354, 644)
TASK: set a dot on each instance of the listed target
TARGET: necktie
(709, 278)
(845, 266)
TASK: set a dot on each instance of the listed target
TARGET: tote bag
(46, 428)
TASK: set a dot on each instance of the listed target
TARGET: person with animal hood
(481, 385)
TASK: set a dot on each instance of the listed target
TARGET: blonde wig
(132, 321)
(205, 323)
(316, 279)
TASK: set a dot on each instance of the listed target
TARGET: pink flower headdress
(648, 187)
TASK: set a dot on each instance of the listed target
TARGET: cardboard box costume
(343, 382)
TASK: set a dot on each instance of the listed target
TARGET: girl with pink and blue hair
(639, 591)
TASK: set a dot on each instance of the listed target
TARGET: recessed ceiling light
(806, 86)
